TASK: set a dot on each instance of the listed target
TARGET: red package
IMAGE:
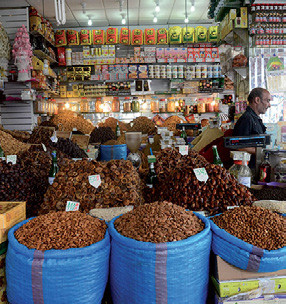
(62, 56)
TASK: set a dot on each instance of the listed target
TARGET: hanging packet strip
(201, 174)
(95, 180)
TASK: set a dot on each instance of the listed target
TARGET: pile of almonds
(178, 183)
(120, 186)
(159, 222)
(254, 225)
(61, 230)
(10, 145)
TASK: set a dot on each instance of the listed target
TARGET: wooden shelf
(40, 54)
(37, 34)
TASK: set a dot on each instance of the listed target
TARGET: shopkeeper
(250, 123)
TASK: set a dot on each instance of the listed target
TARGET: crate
(11, 213)
(81, 140)
(63, 134)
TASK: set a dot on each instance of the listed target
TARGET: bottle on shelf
(152, 178)
(2, 155)
(184, 135)
(217, 160)
(54, 168)
(265, 169)
(244, 173)
(118, 133)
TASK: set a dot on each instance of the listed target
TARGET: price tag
(72, 206)
(184, 149)
(44, 147)
(151, 140)
(76, 159)
(201, 174)
(231, 207)
(94, 180)
(54, 139)
(11, 159)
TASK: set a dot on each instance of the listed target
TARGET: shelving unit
(40, 54)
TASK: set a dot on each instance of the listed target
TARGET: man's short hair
(257, 92)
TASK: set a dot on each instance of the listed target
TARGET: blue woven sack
(71, 276)
(109, 152)
(246, 256)
(149, 273)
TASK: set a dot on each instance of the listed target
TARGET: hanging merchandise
(22, 52)
(5, 50)
(162, 36)
(213, 34)
(150, 36)
(112, 35)
(72, 37)
(98, 37)
(175, 35)
(188, 34)
(201, 34)
(35, 21)
(60, 38)
(137, 37)
(85, 37)
(124, 36)
(61, 56)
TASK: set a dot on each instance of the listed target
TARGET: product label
(72, 206)
(54, 139)
(231, 207)
(149, 186)
(95, 180)
(201, 174)
(246, 181)
(11, 159)
(76, 159)
(51, 180)
(184, 150)
(44, 147)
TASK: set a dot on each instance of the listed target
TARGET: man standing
(250, 123)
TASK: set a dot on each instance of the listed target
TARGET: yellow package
(201, 34)
(162, 36)
(175, 35)
(188, 34)
(213, 34)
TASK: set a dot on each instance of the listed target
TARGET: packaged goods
(213, 34)
(72, 37)
(255, 242)
(176, 271)
(124, 36)
(175, 35)
(109, 152)
(85, 37)
(61, 56)
(201, 34)
(60, 38)
(162, 36)
(10, 145)
(112, 35)
(35, 20)
(49, 276)
(102, 135)
(137, 37)
(150, 36)
(120, 186)
(143, 124)
(98, 37)
(188, 34)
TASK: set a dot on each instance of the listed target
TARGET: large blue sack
(246, 256)
(71, 276)
(109, 152)
(149, 273)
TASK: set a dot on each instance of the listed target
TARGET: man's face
(264, 103)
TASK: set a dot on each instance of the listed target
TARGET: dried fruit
(143, 124)
(10, 145)
(101, 135)
(112, 123)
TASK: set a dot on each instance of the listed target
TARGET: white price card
(11, 159)
(44, 147)
(231, 207)
(201, 174)
(54, 139)
(94, 180)
(184, 149)
(72, 206)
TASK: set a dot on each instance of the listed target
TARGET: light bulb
(155, 19)
(123, 21)
(89, 22)
(192, 8)
(157, 8)
(67, 105)
(186, 20)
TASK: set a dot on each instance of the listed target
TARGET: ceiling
(106, 12)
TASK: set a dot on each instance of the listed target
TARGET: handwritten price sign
(201, 174)
(95, 180)
(11, 159)
(184, 149)
(72, 206)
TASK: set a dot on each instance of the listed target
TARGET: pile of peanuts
(254, 225)
(159, 222)
(61, 230)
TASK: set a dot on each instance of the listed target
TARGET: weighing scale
(133, 142)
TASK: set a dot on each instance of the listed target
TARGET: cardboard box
(269, 299)
(81, 140)
(11, 213)
(4, 232)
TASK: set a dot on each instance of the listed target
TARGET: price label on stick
(201, 174)
(11, 159)
(95, 180)
(54, 139)
(44, 147)
(184, 149)
(72, 206)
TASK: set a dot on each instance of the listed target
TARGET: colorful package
(112, 35)
(60, 38)
(62, 56)
(132, 69)
(162, 36)
(143, 71)
(213, 34)
(137, 37)
(201, 34)
(72, 37)
(35, 21)
(188, 34)
(98, 37)
(175, 35)
(150, 36)
(85, 37)
(124, 36)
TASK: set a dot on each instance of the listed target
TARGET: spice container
(115, 104)
(127, 105)
(171, 107)
(155, 105)
(201, 106)
(84, 105)
(135, 106)
(98, 105)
